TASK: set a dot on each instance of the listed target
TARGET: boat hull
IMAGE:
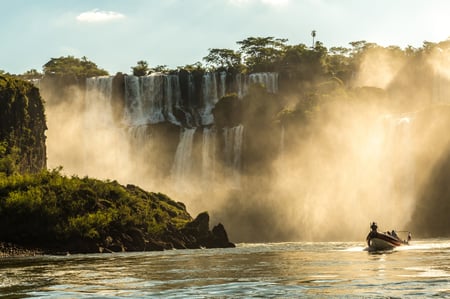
(379, 241)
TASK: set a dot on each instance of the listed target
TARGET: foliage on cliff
(22, 127)
(72, 66)
(51, 211)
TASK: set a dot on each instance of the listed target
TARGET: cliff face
(22, 126)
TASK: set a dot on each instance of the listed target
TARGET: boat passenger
(374, 226)
(372, 233)
(394, 234)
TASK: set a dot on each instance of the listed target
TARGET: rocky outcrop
(196, 234)
(22, 126)
(198, 230)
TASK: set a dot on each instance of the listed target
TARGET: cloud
(99, 16)
(275, 2)
(266, 2)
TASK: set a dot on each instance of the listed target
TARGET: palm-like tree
(313, 34)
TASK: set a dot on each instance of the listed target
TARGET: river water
(267, 270)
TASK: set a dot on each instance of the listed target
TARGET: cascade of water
(98, 96)
(208, 156)
(233, 151)
(182, 164)
(210, 98)
(222, 89)
(241, 81)
(268, 80)
(98, 108)
(132, 100)
(152, 97)
(172, 97)
(145, 99)
(100, 130)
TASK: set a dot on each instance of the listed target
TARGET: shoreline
(12, 250)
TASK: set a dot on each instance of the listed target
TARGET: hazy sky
(115, 34)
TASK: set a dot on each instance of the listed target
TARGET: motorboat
(384, 240)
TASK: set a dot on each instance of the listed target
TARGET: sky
(115, 34)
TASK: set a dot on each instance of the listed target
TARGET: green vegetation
(141, 69)
(49, 210)
(71, 66)
(224, 59)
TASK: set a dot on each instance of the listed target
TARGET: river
(266, 270)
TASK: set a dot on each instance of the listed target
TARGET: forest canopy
(255, 54)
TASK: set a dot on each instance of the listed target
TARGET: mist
(366, 159)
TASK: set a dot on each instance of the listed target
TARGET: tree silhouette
(313, 34)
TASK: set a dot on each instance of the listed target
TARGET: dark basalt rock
(199, 230)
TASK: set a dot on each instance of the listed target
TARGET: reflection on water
(251, 270)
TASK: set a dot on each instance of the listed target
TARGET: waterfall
(233, 150)
(144, 97)
(210, 97)
(132, 100)
(208, 156)
(183, 163)
(222, 88)
(268, 80)
(173, 97)
(241, 84)
(182, 100)
(102, 137)
(98, 99)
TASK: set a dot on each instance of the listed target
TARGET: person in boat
(394, 234)
(373, 232)
(374, 226)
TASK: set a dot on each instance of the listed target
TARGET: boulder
(198, 229)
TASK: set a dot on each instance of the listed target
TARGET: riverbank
(12, 250)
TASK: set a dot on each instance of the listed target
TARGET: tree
(141, 69)
(261, 53)
(196, 67)
(223, 58)
(31, 74)
(71, 66)
(161, 69)
(303, 63)
(339, 63)
(313, 34)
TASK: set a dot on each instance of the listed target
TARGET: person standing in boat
(373, 232)
(374, 226)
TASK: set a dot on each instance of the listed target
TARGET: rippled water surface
(276, 270)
